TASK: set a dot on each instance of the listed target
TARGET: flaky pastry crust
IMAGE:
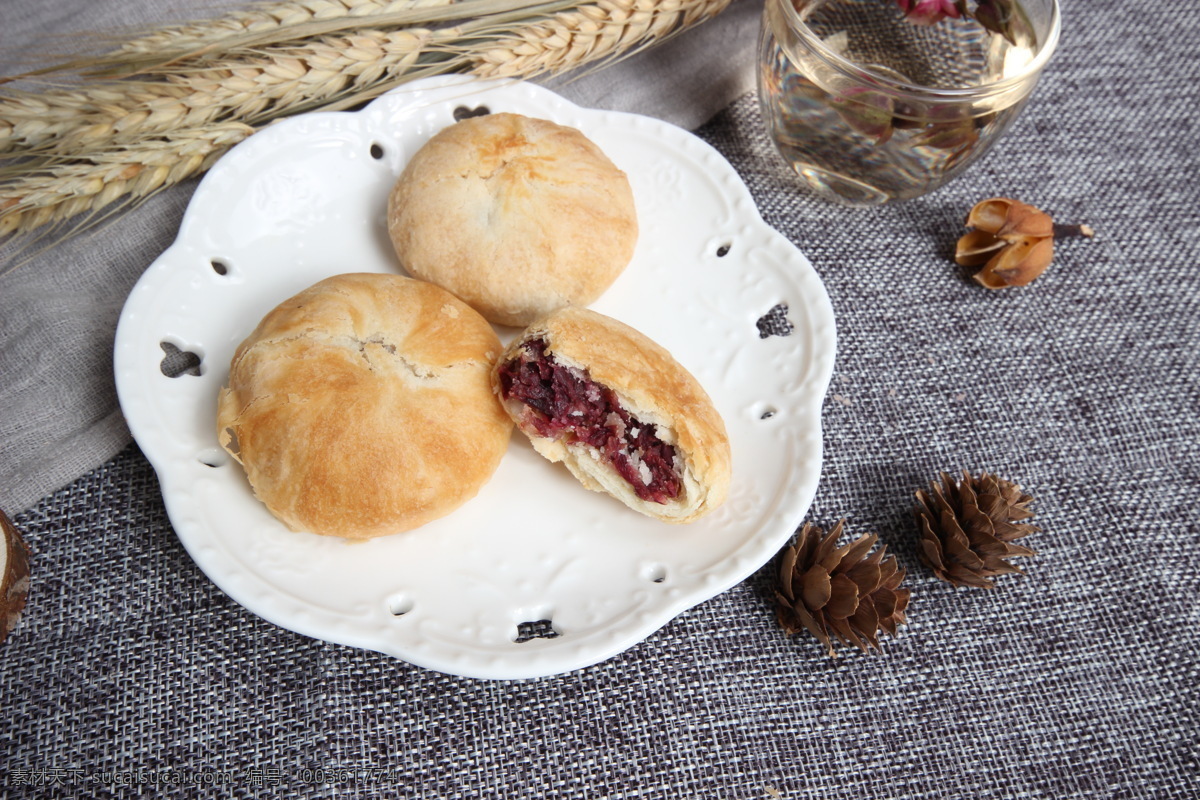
(516, 215)
(654, 388)
(362, 406)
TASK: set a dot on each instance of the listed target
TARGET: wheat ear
(84, 118)
(252, 79)
(590, 33)
(225, 40)
(272, 20)
(57, 190)
(262, 17)
(252, 89)
(256, 86)
(105, 141)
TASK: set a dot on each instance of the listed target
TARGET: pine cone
(967, 528)
(839, 591)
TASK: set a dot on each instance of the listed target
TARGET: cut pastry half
(619, 411)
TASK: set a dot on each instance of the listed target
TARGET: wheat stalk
(263, 17)
(253, 89)
(55, 190)
(77, 150)
(253, 80)
(225, 37)
(260, 86)
(588, 34)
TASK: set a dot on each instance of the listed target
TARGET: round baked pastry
(623, 415)
(518, 216)
(363, 406)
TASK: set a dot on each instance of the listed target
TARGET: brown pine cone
(967, 528)
(839, 591)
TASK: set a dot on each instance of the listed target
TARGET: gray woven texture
(1077, 680)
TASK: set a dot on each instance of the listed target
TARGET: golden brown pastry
(518, 216)
(362, 406)
(619, 411)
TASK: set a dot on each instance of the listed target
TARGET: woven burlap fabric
(1077, 680)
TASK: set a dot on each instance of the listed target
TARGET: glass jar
(868, 107)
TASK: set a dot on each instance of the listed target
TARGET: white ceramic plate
(305, 199)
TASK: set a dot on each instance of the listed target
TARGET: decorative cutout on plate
(775, 322)
(178, 362)
(655, 573)
(462, 112)
(535, 629)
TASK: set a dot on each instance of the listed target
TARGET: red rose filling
(565, 403)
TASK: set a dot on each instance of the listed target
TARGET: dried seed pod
(1013, 241)
(1017, 264)
(839, 592)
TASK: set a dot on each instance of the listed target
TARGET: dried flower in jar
(930, 12)
(997, 16)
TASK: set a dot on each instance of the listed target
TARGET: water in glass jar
(861, 146)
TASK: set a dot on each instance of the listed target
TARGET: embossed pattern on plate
(305, 199)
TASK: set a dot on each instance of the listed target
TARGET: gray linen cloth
(59, 416)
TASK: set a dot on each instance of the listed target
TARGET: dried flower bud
(929, 12)
(1004, 217)
(1013, 241)
(949, 135)
(999, 16)
(866, 111)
